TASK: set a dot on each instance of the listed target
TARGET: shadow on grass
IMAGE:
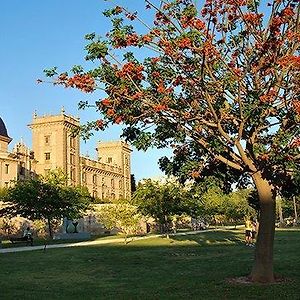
(214, 238)
(191, 266)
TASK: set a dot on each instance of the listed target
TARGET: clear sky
(37, 34)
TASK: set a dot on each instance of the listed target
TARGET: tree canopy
(36, 199)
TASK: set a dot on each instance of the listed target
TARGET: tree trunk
(263, 265)
(50, 228)
(295, 209)
(281, 221)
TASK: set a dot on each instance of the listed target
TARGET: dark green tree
(35, 199)
(160, 201)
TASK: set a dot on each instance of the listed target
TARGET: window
(109, 159)
(22, 169)
(120, 184)
(72, 174)
(84, 177)
(95, 178)
(47, 156)
(6, 184)
(6, 168)
(95, 194)
(72, 159)
(112, 183)
(47, 139)
(72, 142)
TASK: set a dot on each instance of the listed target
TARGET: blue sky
(37, 34)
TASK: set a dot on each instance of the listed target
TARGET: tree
(220, 83)
(120, 215)
(35, 199)
(160, 200)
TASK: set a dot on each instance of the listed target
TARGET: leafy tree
(160, 201)
(120, 215)
(35, 199)
(218, 83)
(237, 207)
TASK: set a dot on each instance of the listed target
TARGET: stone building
(15, 165)
(54, 145)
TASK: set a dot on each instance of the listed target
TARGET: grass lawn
(183, 267)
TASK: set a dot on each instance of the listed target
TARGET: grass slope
(193, 267)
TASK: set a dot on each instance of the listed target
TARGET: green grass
(39, 241)
(192, 267)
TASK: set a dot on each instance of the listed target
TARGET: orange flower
(84, 82)
(184, 43)
(159, 107)
(100, 124)
(132, 39)
(253, 18)
(118, 120)
(147, 38)
(161, 89)
(110, 112)
(105, 102)
(195, 174)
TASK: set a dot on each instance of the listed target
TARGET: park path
(96, 242)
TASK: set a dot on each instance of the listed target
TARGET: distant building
(55, 146)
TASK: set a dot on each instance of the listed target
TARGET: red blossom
(269, 97)
(253, 18)
(290, 61)
(147, 38)
(155, 60)
(100, 124)
(131, 69)
(287, 12)
(105, 102)
(83, 82)
(110, 112)
(296, 143)
(137, 96)
(296, 105)
(118, 120)
(161, 88)
(184, 43)
(159, 107)
(132, 39)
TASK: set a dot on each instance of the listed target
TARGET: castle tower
(118, 154)
(55, 146)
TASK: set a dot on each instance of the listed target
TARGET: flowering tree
(220, 82)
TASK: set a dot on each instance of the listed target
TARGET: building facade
(55, 145)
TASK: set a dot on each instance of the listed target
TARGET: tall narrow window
(112, 183)
(47, 139)
(47, 156)
(72, 159)
(94, 178)
(6, 168)
(84, 177)
(109, 159)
